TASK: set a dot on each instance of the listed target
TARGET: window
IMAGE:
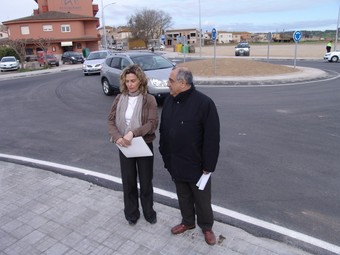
(29, 51)
(25, 30)
(115, 63)
(47, 28)
(124, 63)
(65, 28)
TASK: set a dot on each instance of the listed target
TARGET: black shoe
(132, 222)
(153, 221)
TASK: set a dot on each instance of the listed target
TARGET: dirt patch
(235, 67)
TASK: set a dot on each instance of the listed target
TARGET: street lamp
(200, 33)
(337, 30)
(103, 25)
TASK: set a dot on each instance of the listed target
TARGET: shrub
(6, 51)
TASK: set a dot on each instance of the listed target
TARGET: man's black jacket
(189, 135)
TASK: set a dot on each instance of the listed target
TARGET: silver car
(93, 63)
(156, 67)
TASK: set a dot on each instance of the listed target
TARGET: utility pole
(103, 24)
(337, 29)
(200, 33)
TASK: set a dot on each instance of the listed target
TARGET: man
(329, 46)
(189, 145)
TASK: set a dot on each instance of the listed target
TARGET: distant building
(224, 37)
(172, 36)
(259, 37)
(3, 32)
(241, 36)
(70, 25)
(192, 36)
(115, 36)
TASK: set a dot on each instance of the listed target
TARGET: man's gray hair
(184, 74)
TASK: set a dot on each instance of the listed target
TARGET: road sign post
(213, 37)
(269, 38)
(297, 37)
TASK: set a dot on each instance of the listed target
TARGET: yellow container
(179, 47)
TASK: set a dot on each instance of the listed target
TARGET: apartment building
(67, 24)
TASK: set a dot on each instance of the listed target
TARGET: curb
(306, 75)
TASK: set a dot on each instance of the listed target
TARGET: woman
(134, 113)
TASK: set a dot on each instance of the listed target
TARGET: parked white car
(9, 63)
(93, 63)
(332, 56)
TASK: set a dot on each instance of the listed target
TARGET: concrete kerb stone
(17, 75)
(305, 74)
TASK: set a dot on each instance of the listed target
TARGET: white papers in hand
(203, 181)
(138, 148)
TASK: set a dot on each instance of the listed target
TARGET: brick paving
(46, 213)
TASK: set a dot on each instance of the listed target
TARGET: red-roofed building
(69, 24)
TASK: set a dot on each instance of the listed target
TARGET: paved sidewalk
(46, 213)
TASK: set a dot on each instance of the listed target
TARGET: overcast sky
(226, 15)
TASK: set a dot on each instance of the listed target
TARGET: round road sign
(213, 34)
(297, 36)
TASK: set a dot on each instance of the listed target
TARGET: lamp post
(200, 33)
(103, 24)
(337, 30)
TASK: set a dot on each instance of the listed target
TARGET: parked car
(72, 57)
(156, 47)
(93, 63)
(50, 58)
(156, 67)
(118, 46)
(242, 49)
(9, 63)
(332, 56)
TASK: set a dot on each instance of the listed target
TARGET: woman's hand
(123, 142)
(128, 136)
(126, 140)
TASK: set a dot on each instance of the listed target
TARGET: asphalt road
(280, 146)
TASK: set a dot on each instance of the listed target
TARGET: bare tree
(19, 46)
(43, 44)
(149, 24)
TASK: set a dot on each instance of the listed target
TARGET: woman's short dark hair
(136, 70)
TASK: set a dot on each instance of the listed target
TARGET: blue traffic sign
(213, 34)
(269, 36)
(297, 36)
